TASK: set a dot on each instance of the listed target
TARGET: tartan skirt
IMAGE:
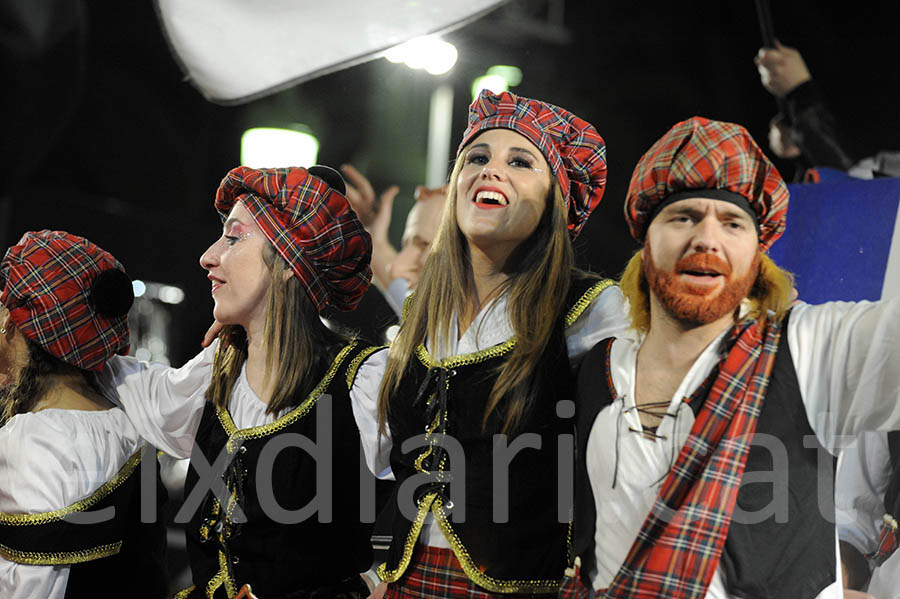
(435, 573)
(573, 588)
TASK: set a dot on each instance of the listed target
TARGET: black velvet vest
(101, 538)
(293, 539)
(500, 512)
(788, 551)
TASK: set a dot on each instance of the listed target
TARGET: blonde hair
(772, 291)
(541, 271)
(299, 347)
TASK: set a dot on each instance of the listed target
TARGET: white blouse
(847, 360)
(48, 461)
(604, 317)
(165, 404)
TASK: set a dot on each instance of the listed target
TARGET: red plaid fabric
(888, 541)
(435, 573)
(574, 150)
(680, 543)
(46, 280)
(311, 226)
(702, 154)
(573, 588)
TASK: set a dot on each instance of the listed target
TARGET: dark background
(103, 136)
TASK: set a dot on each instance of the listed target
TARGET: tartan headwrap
(572, 147)
(311, 226)
(700, 154)
(68, 296)
(680, 543)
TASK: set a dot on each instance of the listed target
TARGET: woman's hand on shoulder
(211, 333)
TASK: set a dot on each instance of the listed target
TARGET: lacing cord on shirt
(659, 409)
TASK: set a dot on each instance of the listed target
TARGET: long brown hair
(539, 276)
(34, 380)
(771, 295)
(299, 347)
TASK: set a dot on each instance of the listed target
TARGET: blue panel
(838, 237)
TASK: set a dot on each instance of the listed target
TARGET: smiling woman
(502, 192)
(484, 353)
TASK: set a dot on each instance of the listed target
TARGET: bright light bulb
(442, 58)
(430, 53)
(268, 147)
(170, 294)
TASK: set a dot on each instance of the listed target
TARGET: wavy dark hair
(34, 380)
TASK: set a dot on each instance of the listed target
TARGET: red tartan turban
(572, 147)
(700, 154)
(68, 296)
(311, 226)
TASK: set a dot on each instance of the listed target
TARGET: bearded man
(705, 439)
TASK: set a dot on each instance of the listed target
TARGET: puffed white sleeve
(164, 403)
(364, 398)
(606, 316)
(19, 483)
(847, 359)
(49, 461)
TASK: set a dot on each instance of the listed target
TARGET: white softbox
(235, 51)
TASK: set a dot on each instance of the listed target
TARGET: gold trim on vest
(586, 299)
(31, 558)
(256, 432)
(357, 361)
(79, 506)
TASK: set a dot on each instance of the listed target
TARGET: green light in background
(512, 75)
(272, 147)
(495, 83)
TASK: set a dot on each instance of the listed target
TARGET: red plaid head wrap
(311, 226)
(68, 296)
(572, 147)
(700, 154)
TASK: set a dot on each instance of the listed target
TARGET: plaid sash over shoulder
(679, 546)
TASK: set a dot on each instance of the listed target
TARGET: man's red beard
(689, 303)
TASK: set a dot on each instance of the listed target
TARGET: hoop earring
(3, 331)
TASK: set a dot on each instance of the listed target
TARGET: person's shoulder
(66, 432)
(603, 301)
(35, 452)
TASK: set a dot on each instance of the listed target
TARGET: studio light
(429, 52)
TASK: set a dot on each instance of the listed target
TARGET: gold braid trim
(356, 362)
(429, 431)
(476, 575)
(501, 348)
(221, 578)
(586, 299)
(404, 309)
(79, 506)
(185, 593)
(464, 359)
(235, 435)
(33, 558)
(394, 575)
